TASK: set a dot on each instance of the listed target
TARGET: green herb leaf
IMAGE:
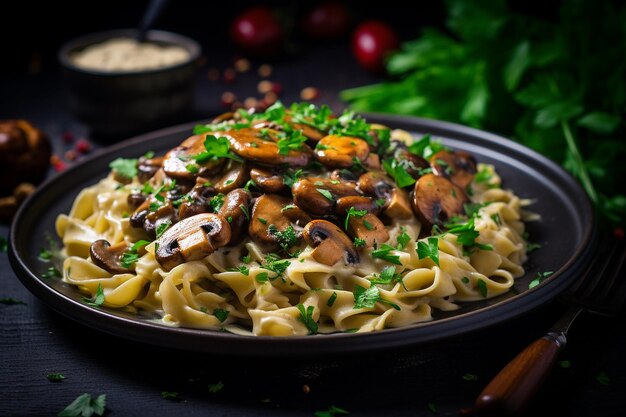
(44, 254)
(470, 377)
(331, 299)
(600, 122)
(221, 314)
(368, 297)
(331, 412)
(292, 141)
(306, 317)
(51, 272)
(262, 277)
(125, 167)
(387, 276)
(539, 278)
(384, 253)
(216, 148)
(403, 239)
(530, 247)
(11, 301)
(55, 377)
(215, 388)
(216, 202)
(603, 379)
(244, 209)
(482, 287)
(4, 244)
(398, 172)
(170, 395)
(360, 243)
(353, 213)
(286, 239)
(84, 405)
(326, 194)
(162, 227)
(291, 177)
(429, 250)
(98, 300)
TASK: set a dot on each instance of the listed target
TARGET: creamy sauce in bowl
(129, 55)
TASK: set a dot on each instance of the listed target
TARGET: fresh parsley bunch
(556, 84)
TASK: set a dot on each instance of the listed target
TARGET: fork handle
(515, 385)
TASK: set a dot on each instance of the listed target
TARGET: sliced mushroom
(436, 199)
(369, 228)
(344, 175)
(150, 220)
(330, 242)
(372, 162)
(134, 200)
(312, 194)
(146, 168)
(191, 239)
(107, 257)
(399, 206)
(235, 177)
(224, 117)
(377, 184)
(236, 211)
(309, 131)
(197, 200)
(459, 166)
(341, 151)
(248, 144)
(177, 162)
(268, 181)
(277, 211)
(358, 203)
(415, 165)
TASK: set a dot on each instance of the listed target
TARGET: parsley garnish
(193, 168)
(470, 377)
(387, 276)
(162, 227)
(331, 412)
(44, 254)
(221, 314)
(216, 148)
(380, 202)
(603, 379)
(291, 177)
(326, 194)
(384, 253)
(170, 395)
(403, 239)
(246, 259)
(55, 377)
(51, 272)
(539, 278)
(426, 147)
(215, 388)
(127, 168)
(331, 299)
(368, 225)
(217, 202)
(262, 277)
(532, 246)
(306, 317)
(398, 172)
(244, 209)
(356, 213)
(368, 297)
(11, 301)
(465, 280)
(244, 270)
(85, 406)
(98, 300)
(275, 264)
(4, 244)
(291, 141)
(483, 175)
(286, 239)
(429, 250)
(359, 243)
(128, 258)
(482, 287)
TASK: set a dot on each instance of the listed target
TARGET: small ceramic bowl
(117, 104)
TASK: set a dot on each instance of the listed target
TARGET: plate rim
(337, 343)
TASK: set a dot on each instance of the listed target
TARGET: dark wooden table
(416, 381)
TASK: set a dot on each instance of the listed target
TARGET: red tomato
(326, 21)
(257, 31)
(371, 42)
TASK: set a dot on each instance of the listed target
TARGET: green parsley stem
(581, 169)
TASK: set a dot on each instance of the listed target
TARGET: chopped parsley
(44, 254)
(127, 168)
(332, 410)
(11, 301)
(384, 253)
(426, 147)
(98, 300)
(482, 287)
(286, 239)
(249, 184)
(483, 176)
(86, 406)
(221, 314)
(539, 278)
(51, 272)
(55, 377)
(262, 277)
(170, 395)
(193, 168)
(398, 172)
(131, 256)
(368, 225)
(470, 377)
(603, 379)
(216, 148)
(246, 259)
(215, 388)
(244, 209)
(306, 317)
(387, 276)
(326, 194)
(331, 299)
(217, 202)
(532, 247)
(360, 243)
(353, 213)
(465, 280)
(429, 250)
(380, 202)
(403, 239)
(244, 270)
(162, 227)
(368, 297)
(291, 141)
(291, 177)
(275, 264)
(262, 220)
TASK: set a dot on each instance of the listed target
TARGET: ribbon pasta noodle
(292, 222)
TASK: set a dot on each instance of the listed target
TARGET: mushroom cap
(376, 183)
(369, 228)
(309, 194)
(268, 181)
(176, 160)
(107, 257)
(236, 176)
(341, 151)
(458, 166)
(192, 239)
(358, 202)
(276, 210)
(436, 199)
(235, 210)
(330, 242)
(249, 144)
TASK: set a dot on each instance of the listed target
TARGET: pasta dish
(294, 221)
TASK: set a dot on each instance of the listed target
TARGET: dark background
(35, 341)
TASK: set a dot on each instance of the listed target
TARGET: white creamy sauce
(126, 54)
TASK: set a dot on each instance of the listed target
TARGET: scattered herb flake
(11, 301)
(262, 277)
(331, 412)
(170, 395)
(403, 239)
(215, 388)
(162, 227)
(127, 168)
(244, 209)
(98, 300)
(331, 299)
(44, 254)
(244, 270)
(51, 272)
(530, 247)
(326, 194)
(55, 377)
(306, 317)
(470, 377)
(429, 250)
(352, 212)
(603, 379)
(221, 314)
(384, 253)
(85, 406)
(217, 202)
(359, 243)
(368, 297)
(539, 278)
(482, 287)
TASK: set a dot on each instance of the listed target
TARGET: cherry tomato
(371, 42)
(257, 31)
(326, 21)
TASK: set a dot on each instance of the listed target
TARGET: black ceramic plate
(565, 231)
